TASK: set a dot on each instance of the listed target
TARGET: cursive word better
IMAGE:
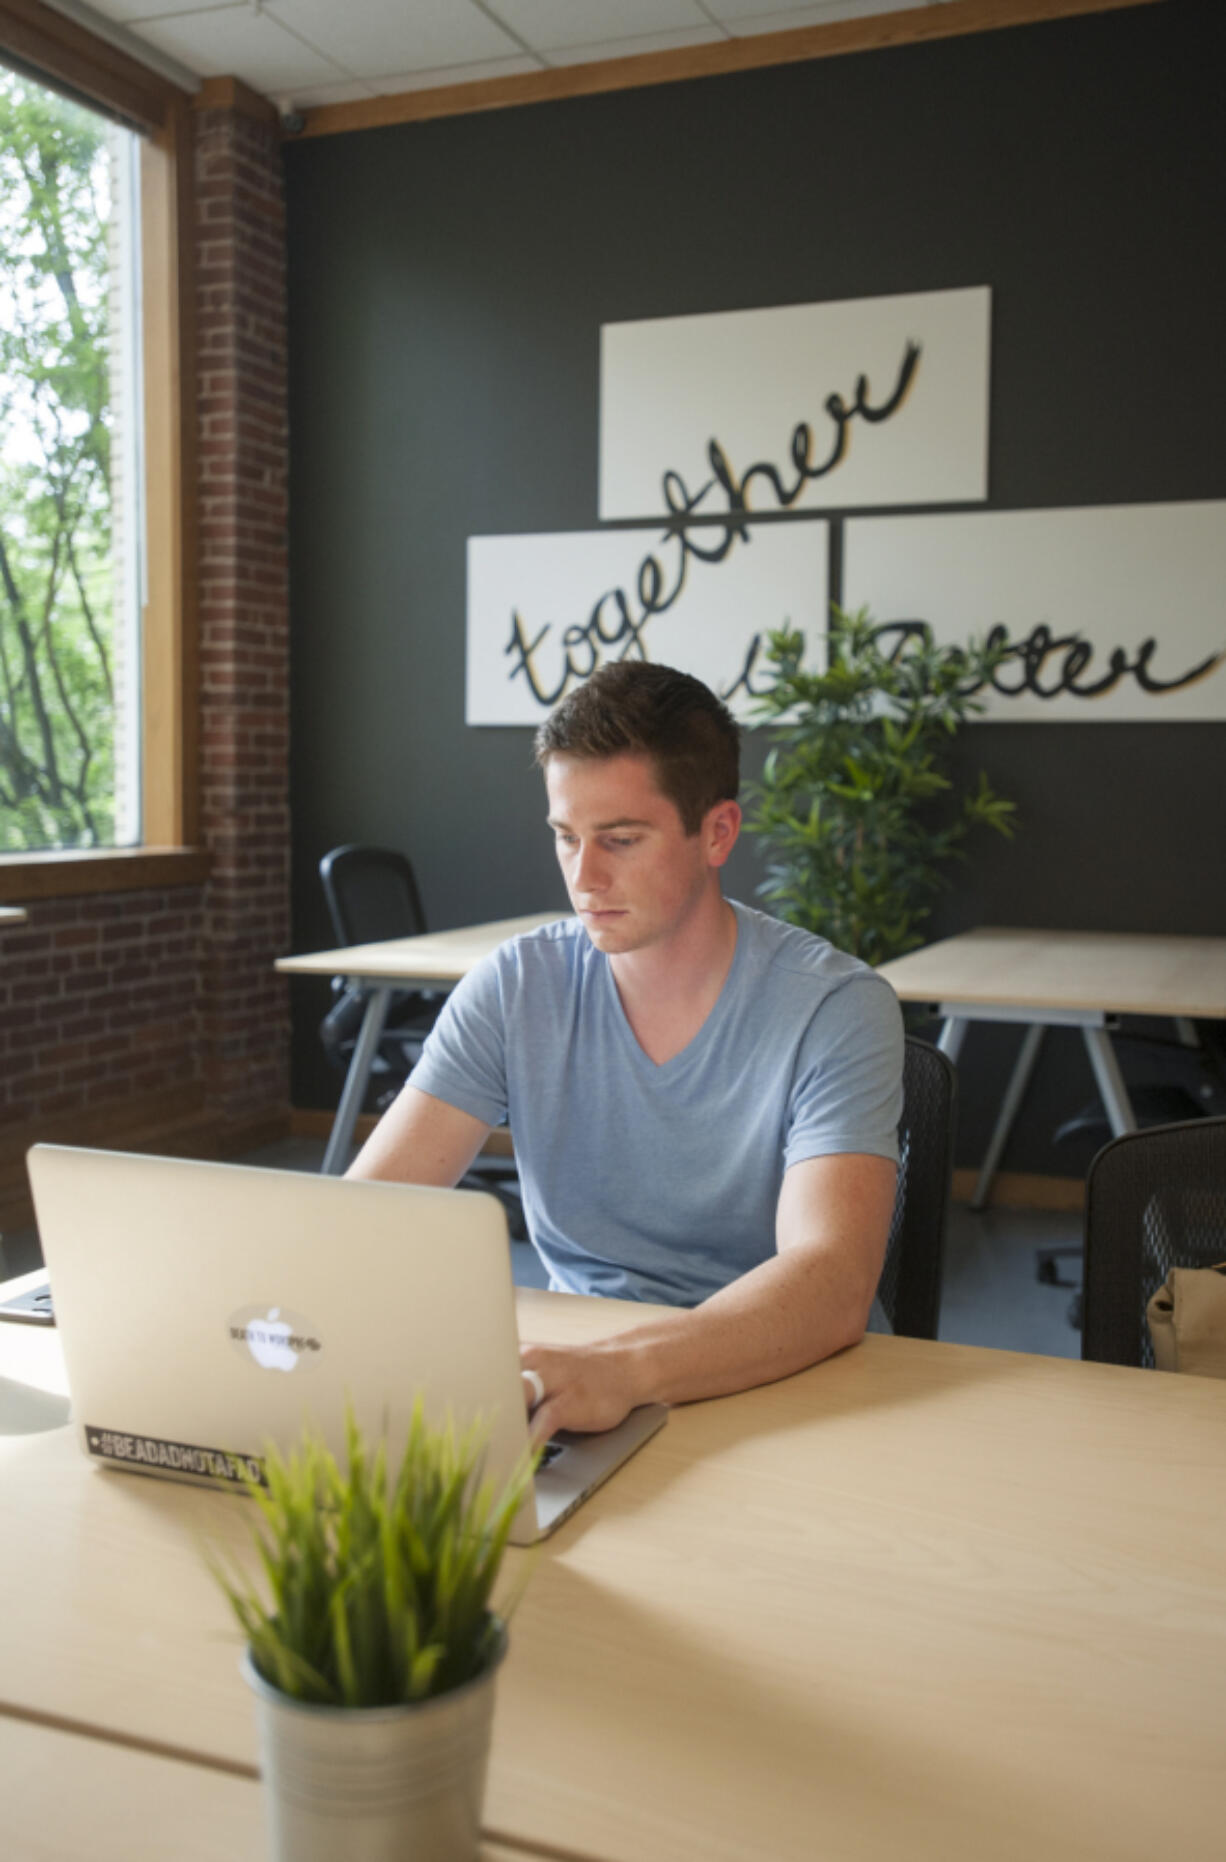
(1047, 665)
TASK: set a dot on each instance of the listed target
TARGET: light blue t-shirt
(660, 1182)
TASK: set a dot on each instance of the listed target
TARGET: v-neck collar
(662, 1070)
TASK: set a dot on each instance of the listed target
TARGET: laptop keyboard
(33, 1307)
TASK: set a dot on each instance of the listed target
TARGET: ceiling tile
(380, 36)
(455, 74)
(550, 25)
(630, 48)
(745, 16)
(237, 42)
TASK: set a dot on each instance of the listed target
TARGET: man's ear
(721, 826)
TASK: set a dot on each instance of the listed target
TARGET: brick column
(244, 608)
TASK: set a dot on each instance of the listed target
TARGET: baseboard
(1021, 1189)
(308, 1123)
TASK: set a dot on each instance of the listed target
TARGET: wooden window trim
(50, 46)
(27, 877)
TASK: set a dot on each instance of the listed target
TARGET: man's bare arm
(420, 1140)
(811, 1299)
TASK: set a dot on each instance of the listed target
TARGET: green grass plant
(379, 1583)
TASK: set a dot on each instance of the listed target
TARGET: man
(704, 1100)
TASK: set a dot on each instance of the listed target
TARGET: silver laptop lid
(207, 1308)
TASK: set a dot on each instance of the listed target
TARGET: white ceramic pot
(376, 1784)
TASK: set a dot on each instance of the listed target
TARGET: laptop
(206, 1309)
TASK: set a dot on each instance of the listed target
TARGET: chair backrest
(910, 1287)
(371, 894)
(1155, 1199)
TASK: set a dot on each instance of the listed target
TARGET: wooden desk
(66, 1796)
(1061, 978)
(435, 957)
(924, 1601)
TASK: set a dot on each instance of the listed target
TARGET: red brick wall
(152, 1017)
(244, 610)
(100, 999)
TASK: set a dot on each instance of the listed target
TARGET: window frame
(54, 50)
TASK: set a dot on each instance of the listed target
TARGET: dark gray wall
(447, 285)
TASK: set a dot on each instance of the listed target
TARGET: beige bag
(1187, 1321)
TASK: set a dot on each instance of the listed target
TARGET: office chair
(1170, 1081)
(1182, 1081)
(910, 1285)
(371, 894)
(1154, 1200)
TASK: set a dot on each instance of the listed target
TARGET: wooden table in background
(1080, 979)
(923, 1601)
(380, 969)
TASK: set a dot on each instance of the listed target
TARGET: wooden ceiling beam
(878, 32)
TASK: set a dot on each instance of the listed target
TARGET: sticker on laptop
(275, 1338)
(149, 1451)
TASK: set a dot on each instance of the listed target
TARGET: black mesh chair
(1154, 1200)
(371, 894)
(910, 1285)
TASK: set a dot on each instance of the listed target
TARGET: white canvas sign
(1118, 611)
(872, 401)
(545, 611)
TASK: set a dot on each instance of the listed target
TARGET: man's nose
(590, 869)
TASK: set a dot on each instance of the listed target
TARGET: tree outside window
(70, 519)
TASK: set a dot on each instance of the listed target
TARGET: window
(137, 713)
(71, 478)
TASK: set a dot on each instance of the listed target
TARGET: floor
(991, 1293)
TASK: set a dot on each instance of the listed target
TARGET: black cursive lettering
(1046, 665)
(800, 448)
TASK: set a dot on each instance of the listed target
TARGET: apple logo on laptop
(275, 1338)
(268, 1342)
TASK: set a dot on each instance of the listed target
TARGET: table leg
(1110, 1081)
(354, 1091)
(1019, 1080)
(951, 1037)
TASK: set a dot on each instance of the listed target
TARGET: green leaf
(378, 1586)
(858, 810)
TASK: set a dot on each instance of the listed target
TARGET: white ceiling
(308, 52)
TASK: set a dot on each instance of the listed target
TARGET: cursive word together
(618, 620)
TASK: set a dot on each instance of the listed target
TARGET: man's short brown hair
(635, 708)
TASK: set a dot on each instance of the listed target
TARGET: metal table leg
(1015, 1092)
(951, 1037)
(1110, 1081)
(354, 1091)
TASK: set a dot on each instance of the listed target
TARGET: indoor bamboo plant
(855, 806)
(373, 1655)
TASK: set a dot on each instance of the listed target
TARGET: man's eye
(621, 840)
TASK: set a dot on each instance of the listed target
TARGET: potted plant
(373, 1657)
(853, 805)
